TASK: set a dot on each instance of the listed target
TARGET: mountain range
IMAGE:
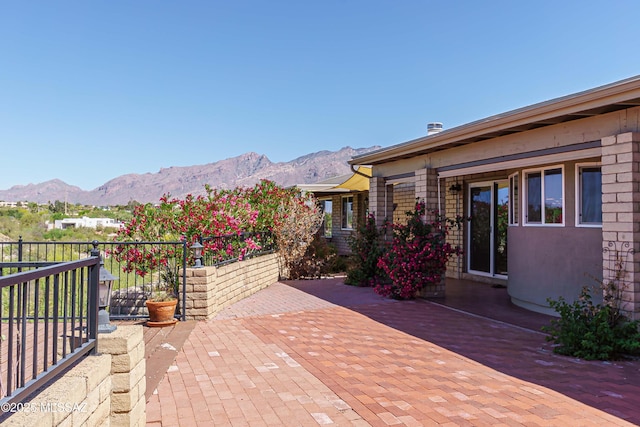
(244, 170)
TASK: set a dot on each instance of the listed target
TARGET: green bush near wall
(593, 331)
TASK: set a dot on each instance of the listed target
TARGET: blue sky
(91, 90)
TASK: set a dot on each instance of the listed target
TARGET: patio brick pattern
(338, 355)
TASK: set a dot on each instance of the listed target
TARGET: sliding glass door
(487, 239)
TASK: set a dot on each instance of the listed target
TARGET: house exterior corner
(551, 193)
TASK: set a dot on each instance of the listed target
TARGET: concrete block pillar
(621, 216)
(201, 302)
(379, 200)
(126, 347)
(426, 189)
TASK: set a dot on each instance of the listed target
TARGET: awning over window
(358, 182)
(340, 184)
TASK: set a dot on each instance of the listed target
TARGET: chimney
(433, 128)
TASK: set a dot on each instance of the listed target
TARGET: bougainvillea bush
(417, 255)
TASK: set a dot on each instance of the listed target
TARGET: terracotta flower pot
(161, 312)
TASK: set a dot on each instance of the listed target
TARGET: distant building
(62, 224)
(10, 204)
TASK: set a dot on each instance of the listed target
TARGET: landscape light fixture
(105, 283)
(196, 248)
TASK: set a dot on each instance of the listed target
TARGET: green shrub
(366, 249)
(339, 264)
(593, 331)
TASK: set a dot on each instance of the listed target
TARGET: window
(347, 212)
(514, 198)
(327, 209)
(544, 196)
(589, 194)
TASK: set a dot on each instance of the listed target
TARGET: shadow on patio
(479, 322)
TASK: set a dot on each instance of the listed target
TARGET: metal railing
(164, 265)
(48, 321)
(128, 295)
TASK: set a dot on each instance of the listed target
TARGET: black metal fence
(143, 269)
(48, 321)
(49, 296)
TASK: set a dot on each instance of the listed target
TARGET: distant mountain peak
(244, 170)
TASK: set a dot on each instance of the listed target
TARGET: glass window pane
(553, 196)
(480, 229)
(534, 197)
(347, 212)
(327, 208)
(591, 195)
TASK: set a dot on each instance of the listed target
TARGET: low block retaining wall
(103, 390)
(210, 289)
(81, 397)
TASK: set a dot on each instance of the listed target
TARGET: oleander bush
(266, 209)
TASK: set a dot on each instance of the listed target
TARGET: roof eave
(547, 110)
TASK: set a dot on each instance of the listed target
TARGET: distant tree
(33, 207)
(132, 205)
(57, 207)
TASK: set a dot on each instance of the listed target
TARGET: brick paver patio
(345, 356)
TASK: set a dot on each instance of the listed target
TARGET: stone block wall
(453, 207)
(338, 235)
(81, 397)
(103, 390)
(210, 289)
(404, 199)
(377, 199)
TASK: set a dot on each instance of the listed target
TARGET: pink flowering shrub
(266, 207)
(417, 256)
